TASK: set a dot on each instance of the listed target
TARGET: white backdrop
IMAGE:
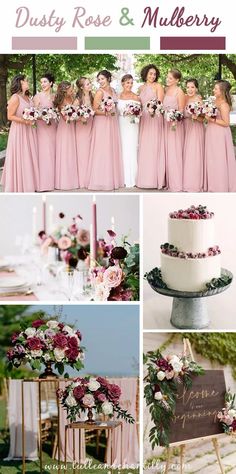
(16, 215)
(157, 308)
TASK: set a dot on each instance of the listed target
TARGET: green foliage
(131, 270)
(215, 346)
(203, 67)
(3, 140)
(154, 278)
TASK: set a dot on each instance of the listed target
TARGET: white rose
(232, 413)
(93, 385)
(71, 401)
(59, 354)
(52, 324)
(30, 332)
(68, 329)
(75, 384)
(107, 408)
(176, 363)
(101, 292)
(158, 396)
(161, 375)
(36, 353)
(47, 357)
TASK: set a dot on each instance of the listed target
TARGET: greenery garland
(164, 374)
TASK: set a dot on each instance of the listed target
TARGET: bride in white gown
(128, 131)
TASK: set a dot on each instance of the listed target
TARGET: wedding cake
(191, 257)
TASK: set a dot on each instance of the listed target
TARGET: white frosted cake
(191, 257)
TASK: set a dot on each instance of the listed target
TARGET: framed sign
(197, 408)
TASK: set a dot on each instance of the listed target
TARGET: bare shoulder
(14, 100)
(180, 93)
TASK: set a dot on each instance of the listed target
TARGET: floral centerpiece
(164, 374)
(133, 111)
(49, 114)
(108, 105)
(47, 343)
(88, 394)
(173, 116)
(32, 114)
(84, 113)
(155, 107)
(70, 112)
(227, 416)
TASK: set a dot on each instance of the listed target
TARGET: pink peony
(83, 237)
(34, 343)
(60, 341)
(79, 392)
(64, 243)
(113, 276)
(37, 323)
(100, 397)
(88, 401)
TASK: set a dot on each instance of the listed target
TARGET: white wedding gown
(129, 143)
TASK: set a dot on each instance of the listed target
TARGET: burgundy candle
(94, 226)
(44, 214)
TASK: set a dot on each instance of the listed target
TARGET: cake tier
(189, 274)
(190, 235)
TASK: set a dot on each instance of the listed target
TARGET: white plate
(12, 282)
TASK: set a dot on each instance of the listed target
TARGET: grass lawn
(15, 467)
(3, 140)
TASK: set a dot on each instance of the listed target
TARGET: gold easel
(188, 350)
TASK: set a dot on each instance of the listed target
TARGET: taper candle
(34, 224)
(50, 219)
(94, 222)
(44, 217)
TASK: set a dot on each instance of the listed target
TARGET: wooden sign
(197, 408)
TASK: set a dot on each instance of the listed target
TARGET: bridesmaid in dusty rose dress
(151, 156)
(46, 136)
(105, 169)
(66, 173)
(83, 131)
(20, 172)
(220, 164)
(193, 155)
(174, 139)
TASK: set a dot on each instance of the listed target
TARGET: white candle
(113, 223)
(50, 218)
(91, 246)
(34, 225)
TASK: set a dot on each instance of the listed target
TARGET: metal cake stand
(189, 309)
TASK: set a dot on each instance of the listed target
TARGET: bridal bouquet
(32, 114)
(91, 393)
(49, 114)
(70, 112)
(133, 111)
(155, 107)
(173, 116)
(85, 112)
(209, 108)
(108, 105)
(195, 108)
(227, 416)
(46, 342)
(164, 374)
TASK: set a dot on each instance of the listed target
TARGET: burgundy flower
(119, 253)
(79, 392)
(10, 354)
(234, 425)
(14, 337)
(73, 262)
(34, 343)
(78, 333)
(61, 215)
(100, 396)
(114, 392)
(42, 234)
(163, 364)
(60, 340)
(72, 353)
(103, 382)
(72, 342)
(111, 233)
(61, 326)
(37, 323)
(82, 254)
(119, 294)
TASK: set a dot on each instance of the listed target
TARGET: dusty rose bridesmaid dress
(46, 147)
(151, 155)
(66, 173)
(105, 169)
(220, 164)
(174, 141)
(83, 134)
(193, 154)
(21, 172)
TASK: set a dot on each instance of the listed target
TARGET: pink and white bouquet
(45, 342)
(155, 107)
(227, 416)
(108, 105)
(70, 112)
(32, 114)
(133, 111)
(92, 393)
(194, 108)
(49, 114)
(173, 116)
(209, 108)
(85, 112)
